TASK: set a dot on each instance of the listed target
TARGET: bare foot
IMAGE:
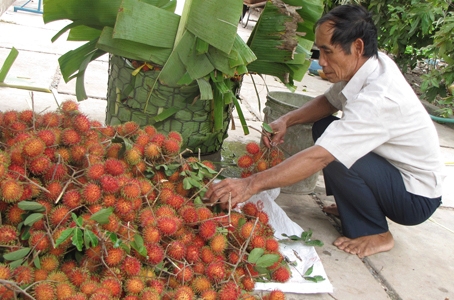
(332, 209)
(366, 245)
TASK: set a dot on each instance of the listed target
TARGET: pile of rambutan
(257, 159)
(115, 212)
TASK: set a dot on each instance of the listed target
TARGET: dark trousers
(371, 191)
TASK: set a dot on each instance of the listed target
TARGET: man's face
(336, 64)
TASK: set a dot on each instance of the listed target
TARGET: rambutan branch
(12, 285)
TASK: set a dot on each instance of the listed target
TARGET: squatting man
(380, 159)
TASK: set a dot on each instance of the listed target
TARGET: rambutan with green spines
(113, 151)
(218, 243)
(132, 156)
(11, 190)
(63, 154)
(50, 263)
(40, 275)
(88, 287)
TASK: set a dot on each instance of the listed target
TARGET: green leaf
(316, 243)
(33, 218)
(309, 271)
(255, 254)
(78, 220)
(138, 245)
(306, 235)
(102, 216)
(267, 127)
(267, 260)
(187, 185)
(25, 234)
(37, 262)
(15, 264)
(64, 236)
(292, 237)
(316, 278)
(77, 239)
(90, 239)
(13, 53)
(18, 254)
(31, 205)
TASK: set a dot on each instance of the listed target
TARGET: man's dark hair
(351, 22)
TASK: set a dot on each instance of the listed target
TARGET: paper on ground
(295, 251)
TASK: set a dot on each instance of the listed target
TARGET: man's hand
(277, 137)
(234, 190)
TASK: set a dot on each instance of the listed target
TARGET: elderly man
(380, 159)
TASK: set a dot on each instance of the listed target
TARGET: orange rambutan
(5, 272)
(158, 138)
(192, 253)
(47, 136)
(171, 147)
(44, 291)
(165, 211)
(134, 285)
(91, 193)
(201, 284)
(63, 290)
(131, 266)
(33, 147)
(204, 213)
(113, 151)
(206, 254)
(230, 290)
(123, 207)
(131, 190)
(218, 243)
(63, 154)
(281, 274)
(50, 119)
(176, 136)
(252, 148)
(155, 253)
(39, 241)
(147, 217)
(59, 215)
(8, 235)
(216, 271)
(271, 245)
(176, 250)
(258, 241)
(250, 209)
(247, 229)
(81, 123)
(11, 190)
(114, 256)
(150, 130)
(188, 213)
(132, 156)
(184, 292)
(27, 116)
(263, 217)
(245, 161)
(109, 184)
(128, 128)
(24, 275)
(39, 164)
(70, 137)
(261, 165)
(114, 286)
(207, 229)
(94, 172)
(40, 275)
(114, 166)
(151, 234)
(50, 263)
(69, 106)
(276, 295)
(175, 201)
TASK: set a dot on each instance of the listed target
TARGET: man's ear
(358, 47)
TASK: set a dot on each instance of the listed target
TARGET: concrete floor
(421, 265)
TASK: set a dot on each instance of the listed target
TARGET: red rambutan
(216, 271)
(24, 275)
(33, 147)
(114, 286)
(245, 161)
(252, 148)
(109, 184)
(176, 250)
(134, 285)
(81, 123)
(70, 137)
(114, 166)
(39, 240)
(155, 253)
(91, 193)
(207, 229)
(44, 291)
(151, 234)
(131, 266)
(131, 190)
(171, 147)
(282, 274)
(59, 215)
(8, 234)
(94, 172)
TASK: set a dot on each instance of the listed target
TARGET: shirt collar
(356, 83)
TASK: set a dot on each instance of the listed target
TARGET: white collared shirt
(382, 114)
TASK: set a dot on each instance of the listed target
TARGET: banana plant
(202, 45)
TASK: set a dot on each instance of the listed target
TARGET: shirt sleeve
(360, 130)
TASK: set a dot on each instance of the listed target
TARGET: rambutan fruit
(113, 151)
(59, 215)
(152, 151)
(63, 154)
(134, 285)
(206, 254)
(132, 156)
(94, 172)
(183, 272)
(123, 207)
(245, 161)
(167, 225)
(129, 128)
(47, 136)
(207, 229)
(5, 272)
(14, 215)
(201, 284)
(210, 294)
(114, 256)
(39, 164)
(109, 184)
(50, 263)
(247, 229)
(81, 123)
(188, 213)
(114, 285)
(131, 266)
(88, 287)
(252, 148)
(271, 245)
(250, 209)
(150, 293)
(175, 201)
(131, 190)
(63, 290)
(176, 136)
(181, 190)
(261, 165)
(276, 161)
(24, 275)
(50, 119)
(150, 130)
(8, 235)
(276, 295)
(11, 190)
(91, 193)
(40, 275)
(258, 241)
(70, 137)
(151, 234)
(176, 250)
(155, 253)
(10, 117)
(229, 291)
(218, 243)
(114, 166)
(146, 187)
(57, 276)
(27, 116)
(158, 138)
(184, 292)
(216, 271)
(39, 240)
(147, 217)
(282, 274)
(192, 253)
(44, 291)
(56, 172)
(33, 147)
(204, 213)
(69, 106)
(171, 147)
(263, 217)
